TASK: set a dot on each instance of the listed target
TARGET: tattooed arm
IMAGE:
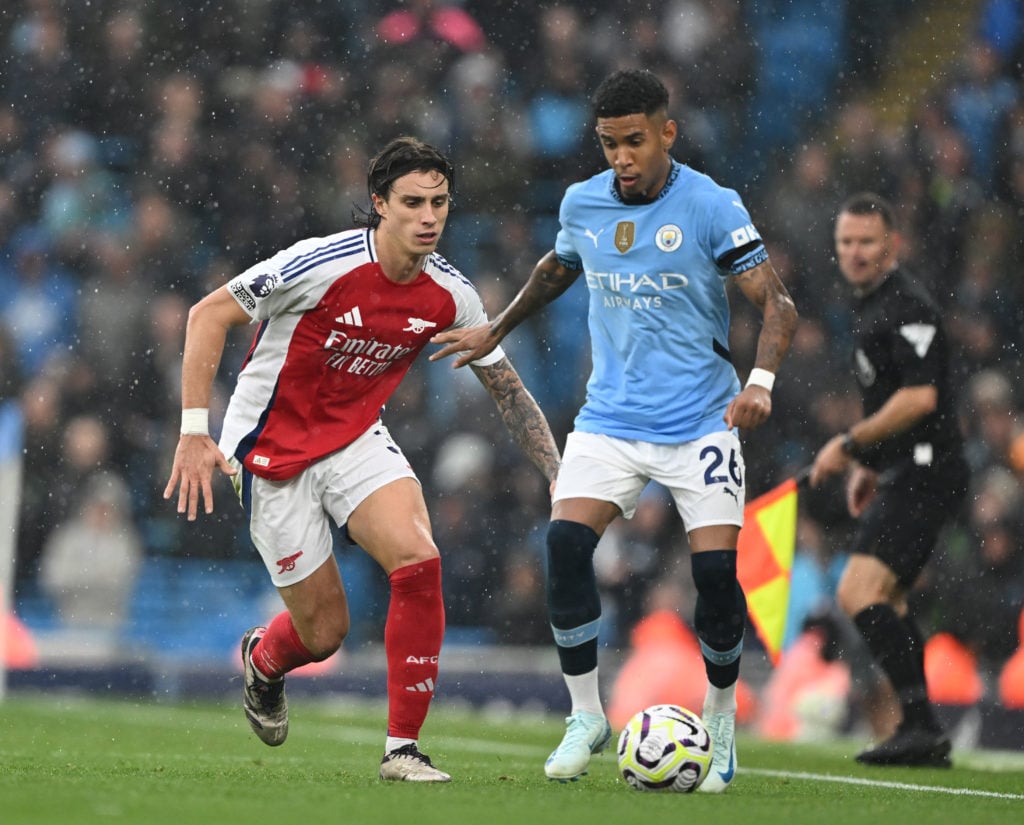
(521, 414)
(762, 287)
(548, 280)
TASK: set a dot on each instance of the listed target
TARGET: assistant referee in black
(906, 470)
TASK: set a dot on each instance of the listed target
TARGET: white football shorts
(707, 477)
(288, 520)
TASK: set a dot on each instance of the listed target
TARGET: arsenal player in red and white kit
(339, 322)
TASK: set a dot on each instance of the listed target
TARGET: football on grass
(665, 748)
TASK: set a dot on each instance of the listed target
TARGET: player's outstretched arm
(197, 455)
(522, 415)
(763, 288)
(548, 280)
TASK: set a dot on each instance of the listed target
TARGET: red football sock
(412, 641)
(280, 649)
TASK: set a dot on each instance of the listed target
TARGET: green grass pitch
(74, 760)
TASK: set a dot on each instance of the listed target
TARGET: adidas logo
(426, 686)
(352, 318)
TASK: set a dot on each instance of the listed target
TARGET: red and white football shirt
(335, 339)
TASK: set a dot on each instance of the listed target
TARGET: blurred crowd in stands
(149, 151)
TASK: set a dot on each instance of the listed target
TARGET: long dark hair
(400, 157)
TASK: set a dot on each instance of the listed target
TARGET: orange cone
(665, 666)
(951, 671)
(20, 652)
(1011, 680)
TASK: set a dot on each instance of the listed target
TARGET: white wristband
(195, 421)
(761, 378)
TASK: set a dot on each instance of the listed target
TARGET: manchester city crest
(669, 238)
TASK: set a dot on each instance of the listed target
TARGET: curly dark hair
(400, 157)
(630, 92)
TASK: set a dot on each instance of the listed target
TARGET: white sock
(720, 700)
(584, 692)
(393, 743)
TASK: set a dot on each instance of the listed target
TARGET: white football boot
(585, 734)
(407, 764)
(722, 727)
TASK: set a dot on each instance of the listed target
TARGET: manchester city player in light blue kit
(657, 243)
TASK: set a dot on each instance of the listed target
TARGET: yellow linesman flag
(765, 562)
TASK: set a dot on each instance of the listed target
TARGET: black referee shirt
(899, 341)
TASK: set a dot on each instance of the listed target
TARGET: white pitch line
(362, 735)
(877, 783)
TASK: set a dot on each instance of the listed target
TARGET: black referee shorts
(913, 504)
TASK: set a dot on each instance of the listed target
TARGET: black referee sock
(898, 649)
(922, 712)
(574, 604)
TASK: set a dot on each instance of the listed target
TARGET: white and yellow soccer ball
(665, 748)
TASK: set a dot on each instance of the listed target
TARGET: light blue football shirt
(659, 313)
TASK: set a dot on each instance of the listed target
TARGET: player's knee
(414, 551)
(571, 583)
(714, 574)
(322, 628)
(327, 638)
(720, 613)
(570, 548)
